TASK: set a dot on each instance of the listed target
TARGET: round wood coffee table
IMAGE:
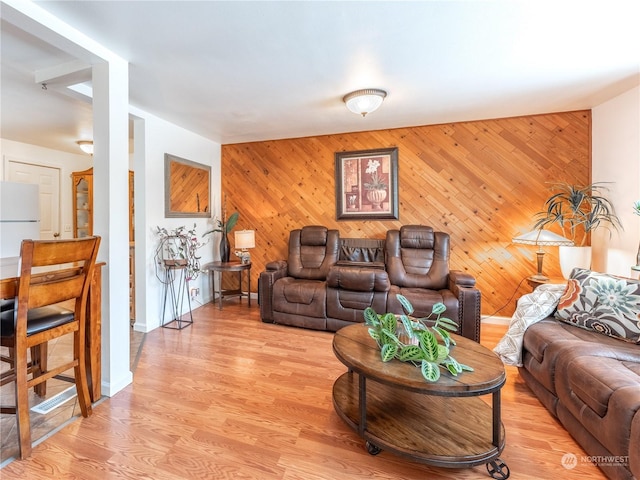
(394, 408)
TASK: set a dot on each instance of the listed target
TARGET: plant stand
(176, 287)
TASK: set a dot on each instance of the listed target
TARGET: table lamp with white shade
(541, 238)
(244, 239)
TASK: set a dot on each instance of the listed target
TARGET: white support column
(111, 216)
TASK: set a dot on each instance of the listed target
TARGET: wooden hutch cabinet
(82, 183)
(82, 203)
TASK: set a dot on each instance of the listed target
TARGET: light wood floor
(44, 424)
(232, 397)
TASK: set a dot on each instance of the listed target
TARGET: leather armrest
(463, 286)
(457, 277)
(277, 265)
(274, 271)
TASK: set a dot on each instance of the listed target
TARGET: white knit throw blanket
(531, 308)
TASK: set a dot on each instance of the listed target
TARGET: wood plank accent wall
(482, 182)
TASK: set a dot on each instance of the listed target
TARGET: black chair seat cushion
(38, 319)
(7, 304)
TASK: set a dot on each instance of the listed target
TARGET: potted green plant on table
(415, 340)
(578, 210)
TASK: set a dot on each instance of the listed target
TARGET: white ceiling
(248, 71)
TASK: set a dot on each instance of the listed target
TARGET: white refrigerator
(19, 216)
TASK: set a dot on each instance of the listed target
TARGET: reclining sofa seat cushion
(604, 393)
(299, 298)
(548, 341)
(350, 290)
(417, 260)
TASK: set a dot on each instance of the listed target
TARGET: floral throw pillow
(603, 303)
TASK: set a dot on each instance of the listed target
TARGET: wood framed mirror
(187, 188)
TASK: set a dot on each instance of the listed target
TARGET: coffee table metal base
(441, 431)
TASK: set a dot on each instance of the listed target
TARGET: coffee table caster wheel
(498, 469)
(372, 449)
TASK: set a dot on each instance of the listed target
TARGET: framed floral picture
(367, 184)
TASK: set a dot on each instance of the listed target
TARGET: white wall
(153, 137)
(63, 161)
(616, 158)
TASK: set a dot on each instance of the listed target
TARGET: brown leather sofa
(591, 383)
(327, 282)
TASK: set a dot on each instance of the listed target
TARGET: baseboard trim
(495, 320)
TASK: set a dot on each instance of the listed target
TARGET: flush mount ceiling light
(364, 101)
(86, 146)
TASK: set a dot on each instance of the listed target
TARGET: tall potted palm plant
(578, 210)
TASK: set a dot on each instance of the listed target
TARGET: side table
(220, 268)
(535, 283)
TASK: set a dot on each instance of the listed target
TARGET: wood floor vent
(55, 401)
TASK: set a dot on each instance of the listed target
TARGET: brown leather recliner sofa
(327, 282)
(588, 380)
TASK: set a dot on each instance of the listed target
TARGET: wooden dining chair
(48, 307)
